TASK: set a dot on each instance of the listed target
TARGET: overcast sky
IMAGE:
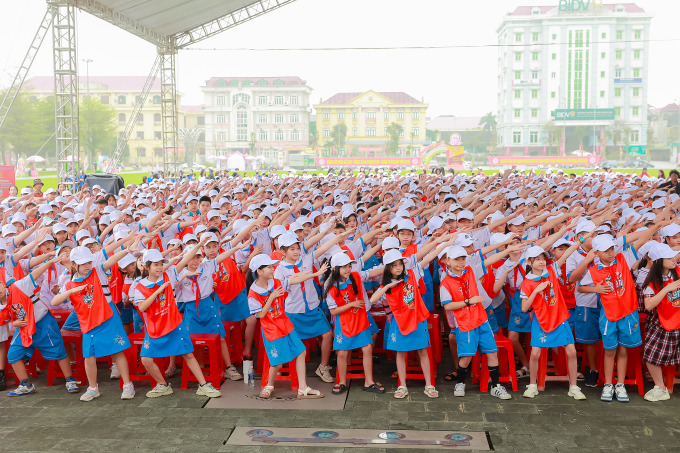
(455, 81)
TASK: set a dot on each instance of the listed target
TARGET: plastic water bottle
(251, 377)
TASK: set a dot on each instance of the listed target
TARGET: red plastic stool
(434, 329)
(214, 371)
(61, 314)
(633, 369)
(137, 370)
(416, 372)
(286, 373)
(669, 377)
(558, 371)
(310, 345)
(30, 366)
(234, 341)
(74, 337)
(506, 365)
(355, 367)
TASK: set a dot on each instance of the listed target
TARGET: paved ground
(55, 421)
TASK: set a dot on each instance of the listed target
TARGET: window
(278, 100)
(278, 135)
(262, 100)
(220, 136)
(534, 36)
(121, 100)
(105, 99)
(140, 119)
(534, 94)
(638, 35)
(518, 94)
(636, 111)
(603, 55)
(341, 115)
(534, 75)
(221, 100)
(553, 75)
(220, 119)
(326, 132)
(534, 113)
(278, 82)
(387, 115)
(554, 36)
(295, 118)
(518, 56)
(158, 152)
(156, 119)
(262, 136)
(617, 92)
(278, 118)
(601, 94)
(241, 124)
(121, 118)
(518, 75)
(385, 133)
(636, 72)
(552, 95)
(400, 115)
(246, 83)
(355, 132)
(295, 135)
(140, 135)
(619, 54)
(636, 92)
(141, 152)
(619, 34)
(261, 119)
(534, 56)
(294, 100)
(604, 35)
(261, 82)
(370, 132)
(156, 99)
(516, 137)
(157, 135)
(518, 37)
(355, 115)
(326, 115)
(370, 115)
(637, 53)
(635, 136)
(533, 137)
(603, 74)
(401, 133)
(617, 73)
(414, 114)
(517, 113)
(415, 132)
(617, 112)
(554, 56)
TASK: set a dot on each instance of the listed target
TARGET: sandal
(395, 375)
(452, 376)
(401, 392)
(522, 372)
(309, 393)
(339, 389)
(170, 372)
(266, 392)
(375, 388)
(431, 391)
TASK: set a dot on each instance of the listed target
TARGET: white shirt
(295, 302)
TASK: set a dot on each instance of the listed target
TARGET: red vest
(407, 304)
(229, 280)
(355, 320)
(622, 300)
(275, 324)
(116, 284)
(489, 279)
(669, 308)
(461, 288)
(162, 316)
(90, 304)
(549, 306)
(410, 250)
(19, 307)
(567, 289)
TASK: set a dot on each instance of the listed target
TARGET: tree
(394, 131)
(338, 137)
(619, 134)
(252, 145)
(97, 128)
(313, 134)
(554, 133)
(488, 123)
(581, 132)
(24, 129)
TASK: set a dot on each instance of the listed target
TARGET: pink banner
(545, 160)
(367, 161)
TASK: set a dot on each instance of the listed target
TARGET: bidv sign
(578, 5)
(565, 114)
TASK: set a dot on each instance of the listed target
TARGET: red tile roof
(114, 83)
(287, 81)
(398, 97)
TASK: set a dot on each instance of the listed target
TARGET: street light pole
(87, 62)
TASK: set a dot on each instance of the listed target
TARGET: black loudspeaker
(108, 183)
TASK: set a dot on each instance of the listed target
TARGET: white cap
(603, 242)
(277, 230)
(434, 223)
(82, 234)
(659, 204)
(585, 227)
(189, 237)
(670, 230)
(455, 251)
(261, 260)
(499, 238)
(560, 242)
(465, 214)
(406, 224)
(126, 261)
(8, 229)
(152, 256)
(661, 251)
(212, 213)
(534, 251)
(391, 256)
(81, 255)
(295, 226)
(464, 240)
(212, 237)
(58, 227)
(340, 259)
(288, 239)
(89, 241)
(390, 243)
(517, 220)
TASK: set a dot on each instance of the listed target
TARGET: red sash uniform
(355, 320)
(410, 250)
(669, 308)
(407, 304)
(549, 305)
(622, 300)
(90, 303)
(19, 307)
(229, 280)
(275, 324)
(162, 316)
(461, 288)
(489, 279)
(567, 289)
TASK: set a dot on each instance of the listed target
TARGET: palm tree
(488, 123)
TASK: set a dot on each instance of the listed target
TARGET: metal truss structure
(190, 138)
(169, 109)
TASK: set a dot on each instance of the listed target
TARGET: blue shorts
(235, 311)
(624, 332)
(492, 318)
(501, 318)
(345, 343)
(106, 339)
(176, 342)
(394, 340)
(284, 349)
(125, 312)
(586, 325)
(204, 319)
(467, 343)
(561, 336)
(310, 324)
(72, 322)
(47, 339)
(572, 317)
(180, 306)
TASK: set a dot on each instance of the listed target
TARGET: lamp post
(87, 62)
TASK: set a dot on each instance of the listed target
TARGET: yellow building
(367, 117)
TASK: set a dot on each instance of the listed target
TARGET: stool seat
(74, 337)
(61, 314)
(214, 370)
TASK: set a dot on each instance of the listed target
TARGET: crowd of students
(562, 259)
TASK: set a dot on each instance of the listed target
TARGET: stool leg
(293, 375)
(542, 369)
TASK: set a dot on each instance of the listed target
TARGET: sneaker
(115, 374)
(232, 373)
(621, 393)
(499, 392)
(531, 391)
(90, 394)
(128, 391)
(607, 392)
(576, 393)
(459, 389)
(592, 378)
(323, 371)
(656, 394)
(159, 390)
(208, 390)
(24, 388)
(72, 386)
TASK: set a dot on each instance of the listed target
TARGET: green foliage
(394, 130)
(554, 133)
(29, 124)
(97, 128)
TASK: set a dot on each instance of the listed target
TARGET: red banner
(367, 161)
(7, 179)
(586, 161)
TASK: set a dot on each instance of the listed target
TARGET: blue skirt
(372, 326)
(235, 311)
(394, 340)
(176, 342)
(428, 297)
(519, 321)
(284, 349)
(137, 322)
(180, 306)
(344, 343)
(491, 316)
(204, 320)
(561, 336)
(72, 322)
(106, 339)
(501, 318)
(310, 324)
(125, 312)
(47, 339)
